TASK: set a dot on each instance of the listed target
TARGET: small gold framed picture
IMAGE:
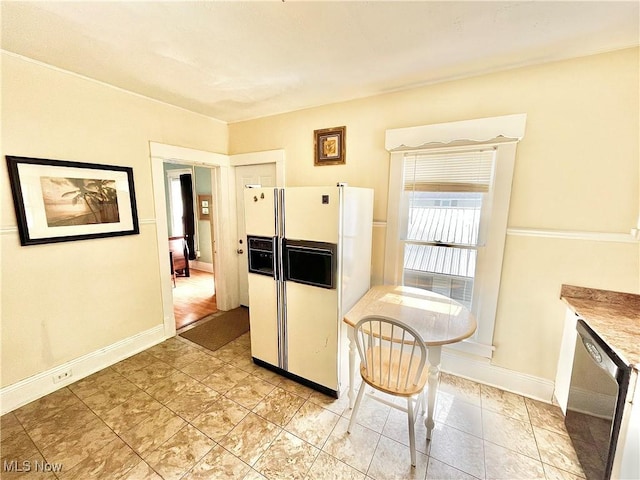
(329, 146)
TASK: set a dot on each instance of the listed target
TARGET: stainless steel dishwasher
(599, 383)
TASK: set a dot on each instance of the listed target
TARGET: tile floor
(177, 411)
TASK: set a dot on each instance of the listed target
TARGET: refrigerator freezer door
(357, 222)
(312, 333)
(263, 318)
(312, 213)
(260, 211)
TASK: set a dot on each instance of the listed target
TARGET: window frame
(172, 175)
(501, 133)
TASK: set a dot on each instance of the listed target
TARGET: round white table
(438, 319)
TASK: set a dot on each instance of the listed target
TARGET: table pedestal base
(434, 355)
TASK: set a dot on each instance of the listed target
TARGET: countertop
(614, 316)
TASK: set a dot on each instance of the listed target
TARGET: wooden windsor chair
(393, 360)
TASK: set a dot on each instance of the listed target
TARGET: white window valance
(482, 130)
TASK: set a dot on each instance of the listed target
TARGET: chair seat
(393, 360)
(393, 372)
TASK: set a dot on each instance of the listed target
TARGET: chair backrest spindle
(392, 360)
(392, 354)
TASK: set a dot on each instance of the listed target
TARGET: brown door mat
(220, 329)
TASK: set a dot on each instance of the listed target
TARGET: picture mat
(33, 200)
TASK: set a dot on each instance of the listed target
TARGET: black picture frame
(64, 201)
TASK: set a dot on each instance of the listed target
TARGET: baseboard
(202, 266)
(482, 371)
(32, 388)
(591, 403)
(36, 386)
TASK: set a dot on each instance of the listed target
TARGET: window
(447, 213)
(176, 227)
(176, 207)
(444, 194)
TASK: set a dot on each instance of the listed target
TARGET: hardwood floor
(193, 297)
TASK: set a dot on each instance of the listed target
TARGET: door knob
(239, 251)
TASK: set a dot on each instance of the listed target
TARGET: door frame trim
(226, 294)
(256, 158)
(223, 190)
(276, 157)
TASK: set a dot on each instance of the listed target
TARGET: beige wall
(576, 169)
(61, 301)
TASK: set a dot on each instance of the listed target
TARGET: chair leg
(354, 412)
(412, 431)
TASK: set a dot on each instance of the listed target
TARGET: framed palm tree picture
(61, 201)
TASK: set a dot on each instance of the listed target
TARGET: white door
(260, 211)
(261, 174)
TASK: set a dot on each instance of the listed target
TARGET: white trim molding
(573, 235)
(222, 184)
(482, 371)
(31, 388)
(173, 153)
(225, 218)
(501, 133)
(478, 130)
(201, 266)
(259, 158)
(592, 403)
(471, 347)
(8, 230)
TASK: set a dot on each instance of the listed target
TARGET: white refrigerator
(309, 254)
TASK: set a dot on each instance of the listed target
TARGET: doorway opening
(226, 257)
(189, 194)
(194, 298)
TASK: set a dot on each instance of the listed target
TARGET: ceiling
(237, 60)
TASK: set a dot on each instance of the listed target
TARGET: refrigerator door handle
(275, 248)
(281, 231)
(279, 276)
(276, 211)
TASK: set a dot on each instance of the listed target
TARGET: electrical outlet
(60, 376)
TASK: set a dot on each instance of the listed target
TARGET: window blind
(469, 171)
